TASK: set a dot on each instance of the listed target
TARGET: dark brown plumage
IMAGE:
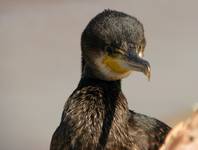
(96, 115)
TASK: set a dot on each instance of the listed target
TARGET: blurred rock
(183, 136)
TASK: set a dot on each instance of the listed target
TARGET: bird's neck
(108, 101)
(110, 86)
(114, 100)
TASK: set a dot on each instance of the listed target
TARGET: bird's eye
(109, 49)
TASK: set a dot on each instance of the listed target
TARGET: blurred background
(40, 63)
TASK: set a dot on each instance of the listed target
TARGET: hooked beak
(138, 64)
(135, 62)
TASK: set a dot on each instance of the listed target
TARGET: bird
(96, 115)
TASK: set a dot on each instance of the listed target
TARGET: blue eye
(109, 49)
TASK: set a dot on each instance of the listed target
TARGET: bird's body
(96, 115)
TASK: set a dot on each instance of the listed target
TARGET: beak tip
(148, 72)
(148, 75)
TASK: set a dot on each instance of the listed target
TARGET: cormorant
(96, 115)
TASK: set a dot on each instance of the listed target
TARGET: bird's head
(113, 45)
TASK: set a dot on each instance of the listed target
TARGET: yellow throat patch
(114, 65)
